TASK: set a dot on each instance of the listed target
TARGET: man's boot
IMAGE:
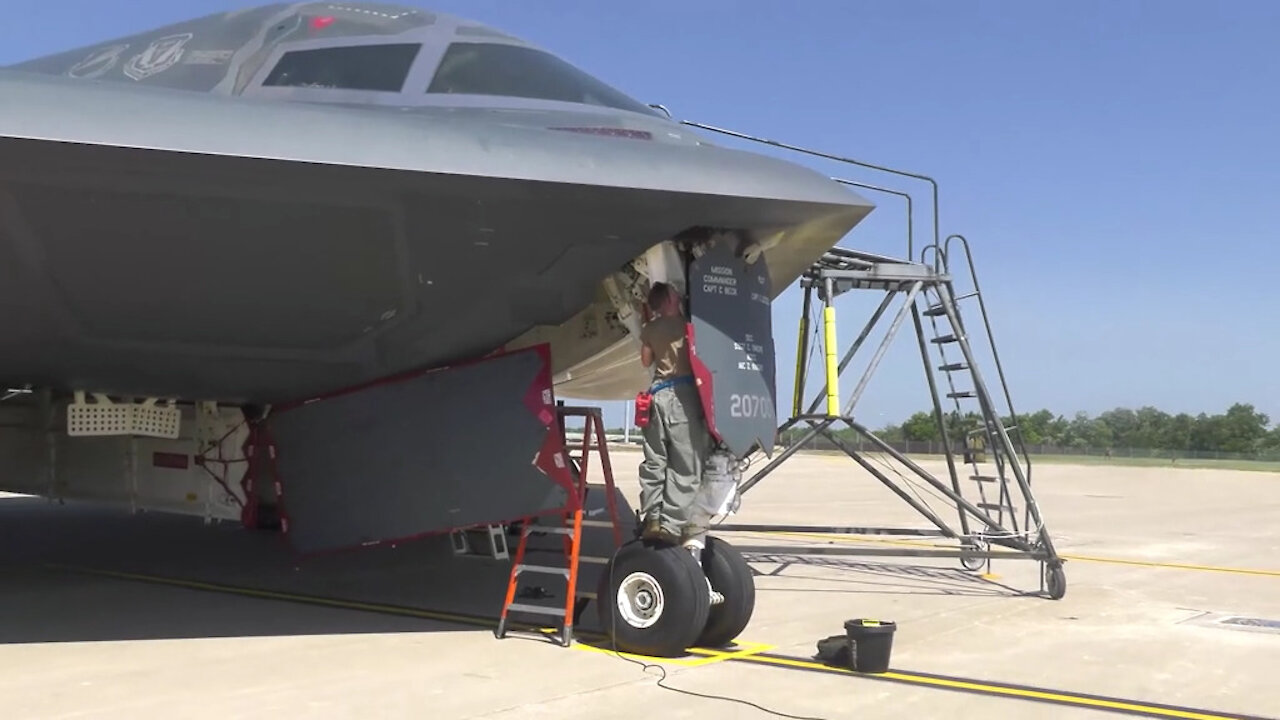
(653, 531)
(650, 528)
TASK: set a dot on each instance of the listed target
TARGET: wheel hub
(640, 600)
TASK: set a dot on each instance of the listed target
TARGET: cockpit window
(360, 67)
(513, 71)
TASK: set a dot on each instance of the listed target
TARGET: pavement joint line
(1065, 556)
(1055, 697)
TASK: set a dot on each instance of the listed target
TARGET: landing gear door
(731, 346)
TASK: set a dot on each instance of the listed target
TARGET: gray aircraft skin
(274, 203)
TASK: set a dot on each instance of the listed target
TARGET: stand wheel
(652, 600)
(973, 562)
(732, 577)
(1055, 580)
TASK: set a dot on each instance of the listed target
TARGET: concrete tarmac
(107, 615)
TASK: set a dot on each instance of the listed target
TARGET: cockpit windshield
(354, 67)
(514, 71)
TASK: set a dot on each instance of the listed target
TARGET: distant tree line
(1241, 429)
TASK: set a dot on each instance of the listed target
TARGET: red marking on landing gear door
(551, 461)
(703, 377)
(541, 401)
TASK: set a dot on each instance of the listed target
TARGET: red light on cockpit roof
(320, 23)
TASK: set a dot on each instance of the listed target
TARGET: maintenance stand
(998, 479)
(999, 485)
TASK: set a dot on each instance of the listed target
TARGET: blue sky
(1113, 162)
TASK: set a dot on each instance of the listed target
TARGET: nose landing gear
(654, 599)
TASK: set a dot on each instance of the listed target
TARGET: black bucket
(871, 643)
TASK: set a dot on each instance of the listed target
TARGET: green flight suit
(676, 439)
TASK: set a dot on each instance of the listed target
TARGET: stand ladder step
(538, 610)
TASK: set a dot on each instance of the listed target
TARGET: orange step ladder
(570, 524)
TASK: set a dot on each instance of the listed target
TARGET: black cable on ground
(644, 666)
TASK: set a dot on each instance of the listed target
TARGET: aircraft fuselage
(273, 203)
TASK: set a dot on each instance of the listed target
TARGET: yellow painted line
(682, 662)
(276, 595)
(709, 656)
(1064, 556)
(853, 539)
(1174, 566)
(747, 649)
(746, 652)
(987, 689)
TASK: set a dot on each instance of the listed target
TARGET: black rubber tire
(1055, 581)
(732, 577)
(685, 602)
(969, 562)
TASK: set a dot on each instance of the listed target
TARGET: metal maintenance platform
(985, 502)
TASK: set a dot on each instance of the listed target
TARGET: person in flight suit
(676, 438)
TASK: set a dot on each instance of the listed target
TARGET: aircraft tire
(652, 600)
(732, 577)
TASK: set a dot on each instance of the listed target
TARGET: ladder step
(544, 569)
(952, 367)
(935, 311)
(984, 479)
(944, 339)
(567, 522)
(994, 506)
(962, 395)
(536, 609)
(558, 551)
(547, 530)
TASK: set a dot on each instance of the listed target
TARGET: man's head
(663, 299)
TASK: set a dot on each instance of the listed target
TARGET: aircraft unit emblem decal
(158, 57)
(97, 63)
